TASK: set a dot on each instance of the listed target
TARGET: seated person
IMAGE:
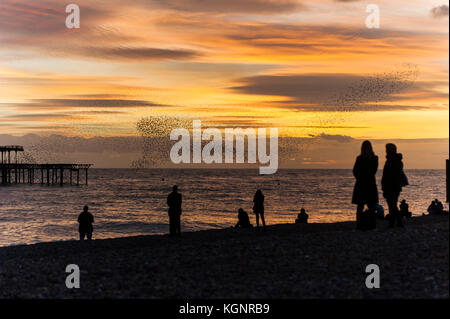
(243, 220)
(302, 218)
(439, 206)
(432, 209)
(379, 211)
(404, 209)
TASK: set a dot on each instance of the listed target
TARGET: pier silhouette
(13, 172)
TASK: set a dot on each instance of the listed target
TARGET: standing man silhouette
(85, 219)
(174, 202)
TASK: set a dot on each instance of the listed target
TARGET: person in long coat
(365, 191)
(258, 208)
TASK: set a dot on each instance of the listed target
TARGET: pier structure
(6, 153)
(14, 172)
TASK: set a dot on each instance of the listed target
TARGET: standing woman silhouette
(258, 208)
(365, 191)
(392, 182)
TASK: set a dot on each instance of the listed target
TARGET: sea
(131, 202)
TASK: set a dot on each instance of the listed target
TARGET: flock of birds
(155, 132)
(371, 90)
(366, 95)
(371, 93)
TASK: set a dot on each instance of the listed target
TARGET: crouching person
(302, 218)
(243, 219)
(404, 209)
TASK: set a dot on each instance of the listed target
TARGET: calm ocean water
(128, 202)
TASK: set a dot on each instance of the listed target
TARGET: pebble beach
(289, 261)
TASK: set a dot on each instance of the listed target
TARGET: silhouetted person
(258, 208)
(439, 206)
(379, 211)
(392, 182)
(174, 201)
(404, 209)
(432, 209)
(85, 219)
(365, 191)
(243, 219)
(302, 218)
(436, 208)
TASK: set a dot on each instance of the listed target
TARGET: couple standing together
(394, 178)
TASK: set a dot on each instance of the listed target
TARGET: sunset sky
(309, 68)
